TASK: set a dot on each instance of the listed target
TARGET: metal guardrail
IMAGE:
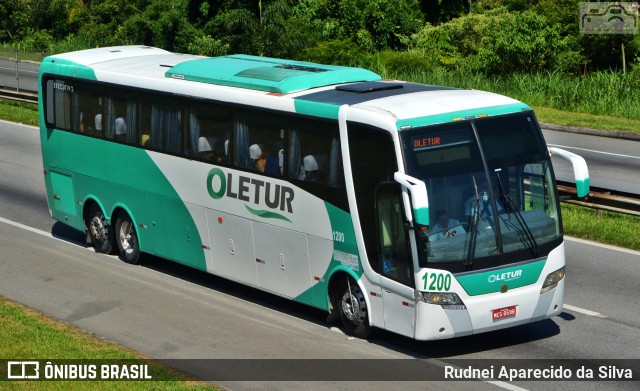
(601, 199)
(21, 96)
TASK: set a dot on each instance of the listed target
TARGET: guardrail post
(17, 73)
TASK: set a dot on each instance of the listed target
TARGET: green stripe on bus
(128, 176)
(64, 67)
(266, 214)
(493, 281)
(582, 187)
(344, 245)
(462, 114)
(421, 216)
(324, 110)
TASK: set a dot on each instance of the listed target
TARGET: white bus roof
(314, 88)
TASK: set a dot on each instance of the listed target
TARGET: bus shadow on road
(469, 345)
(68, 234)
(419, 349)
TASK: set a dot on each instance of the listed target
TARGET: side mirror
(419, 198)
(580, 170)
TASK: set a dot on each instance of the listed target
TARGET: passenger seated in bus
(144, 138)
(98, 122)
(258, 158)
(121, 129)
(263, 159)
(444, 227)
(226, 151)
(314, 168)
(81, 126)
(206, 147)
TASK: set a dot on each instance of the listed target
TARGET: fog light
(552, 280)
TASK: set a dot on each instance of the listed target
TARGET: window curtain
(156, 139)
(78, 116)
(173, 129)
(132, 122)
(242, 143)
(194, 131)
(165, 127)
(295, 160)
(334, 158)
(108, 124)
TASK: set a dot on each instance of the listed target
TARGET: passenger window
(259, 142)
(59, 96)
(314, 152)
(120, 118)
(161, 124)
(209, 132)
(392, 236)
(86, 108)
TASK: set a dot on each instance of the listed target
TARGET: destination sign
(441, 139)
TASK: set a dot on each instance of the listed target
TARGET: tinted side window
(314, 152)
(120, 119)
(58, 103)
(372, 162)
(161, 120)
(259, 142)
(208, 132)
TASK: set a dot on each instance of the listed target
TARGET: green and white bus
(326, 185)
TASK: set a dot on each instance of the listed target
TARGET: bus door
(396, 265)
(63, 202)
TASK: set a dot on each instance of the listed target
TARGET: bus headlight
(552, 280)
(446, 300)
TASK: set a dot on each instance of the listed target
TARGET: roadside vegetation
(28, 334)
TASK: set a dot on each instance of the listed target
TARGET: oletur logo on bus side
(277, 198)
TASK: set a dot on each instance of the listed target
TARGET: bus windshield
(492, 198)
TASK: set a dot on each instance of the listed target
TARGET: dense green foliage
(529, 49)
(493, 37)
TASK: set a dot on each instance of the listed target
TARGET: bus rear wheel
(127, 239)
(99, 230)
(353, 310)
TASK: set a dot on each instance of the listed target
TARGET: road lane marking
(584, 311)
(43, 233)
(607, 246)
(594, 151)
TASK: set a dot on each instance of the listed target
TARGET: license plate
(501, 313)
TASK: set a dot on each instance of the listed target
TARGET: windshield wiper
(475, 218)
(511, 206)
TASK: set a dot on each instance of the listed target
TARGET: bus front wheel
(127, 239)
(99, 230)
(353, 310)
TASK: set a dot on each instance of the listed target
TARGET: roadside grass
(30, 335)
(23, 113)
(603, 122)
(607, 227)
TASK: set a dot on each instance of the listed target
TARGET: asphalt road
(167, 311)
(613, 163)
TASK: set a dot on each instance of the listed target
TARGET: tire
(354, 313)
(127, 239)
(100, 231)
